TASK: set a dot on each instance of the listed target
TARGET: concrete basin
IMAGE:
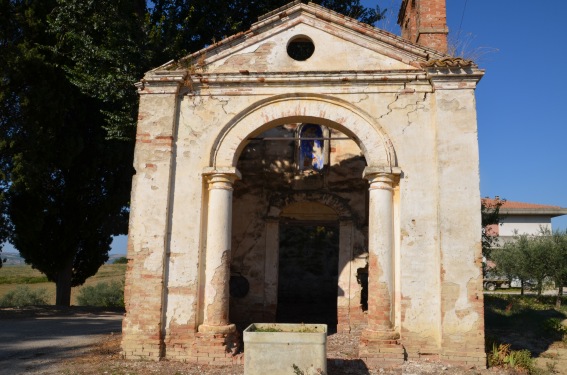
(275, 348)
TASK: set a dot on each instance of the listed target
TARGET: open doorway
(308, 272)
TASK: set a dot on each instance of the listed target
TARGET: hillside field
(12, 276)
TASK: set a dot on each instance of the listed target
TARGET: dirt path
(33, 341)
(48, 341)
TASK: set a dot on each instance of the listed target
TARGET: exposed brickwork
(425, 22)
(351, 318)
(213, 349)
(424, 293)
(381, 353)
(419, 346)
(142, 324)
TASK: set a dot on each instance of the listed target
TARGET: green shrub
(23, 279)
(24, 296)
(553, 325)
(501, 355)
(121, 260)
(102, 294)
(521, 359)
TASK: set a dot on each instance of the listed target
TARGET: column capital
(222, 170)
(221, 178)
(371, 171)
(381, 177)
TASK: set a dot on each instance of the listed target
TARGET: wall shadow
(339, 366)
(524, 322)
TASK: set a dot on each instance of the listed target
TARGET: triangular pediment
(340, 44)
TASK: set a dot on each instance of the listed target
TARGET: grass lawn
(12, 276)
(528, 323)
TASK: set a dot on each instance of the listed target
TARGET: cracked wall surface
(397, 116)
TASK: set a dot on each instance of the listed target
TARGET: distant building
(522, 218)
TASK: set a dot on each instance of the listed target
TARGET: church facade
(310, 169)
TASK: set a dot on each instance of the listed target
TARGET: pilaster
(149, 221)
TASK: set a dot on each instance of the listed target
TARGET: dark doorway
(308, 273)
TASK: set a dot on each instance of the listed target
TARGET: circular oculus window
(300, 48)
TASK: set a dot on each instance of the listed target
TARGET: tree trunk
(63, 285)
(559, 296)
(522, 287)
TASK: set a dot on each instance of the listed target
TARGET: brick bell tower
(425, 22)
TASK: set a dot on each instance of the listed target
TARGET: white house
(523, 218)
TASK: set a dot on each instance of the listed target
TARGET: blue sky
(521, 99)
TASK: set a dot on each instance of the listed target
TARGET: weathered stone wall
(415, 128)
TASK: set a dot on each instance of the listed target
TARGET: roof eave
(548, 212)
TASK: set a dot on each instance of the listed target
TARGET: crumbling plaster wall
(430, 124)
(267, 54)
(406, 117)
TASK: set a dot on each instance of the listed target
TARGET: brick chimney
(425, 22)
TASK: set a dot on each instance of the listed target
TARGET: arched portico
(324, 110)
(381, 174)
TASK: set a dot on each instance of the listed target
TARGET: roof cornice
(550, 212)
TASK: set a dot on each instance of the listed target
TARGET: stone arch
(380, 172)
(303, 108)
(279, 201)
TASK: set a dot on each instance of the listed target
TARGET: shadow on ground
(346, 366)
(33, 340)
(524, 322)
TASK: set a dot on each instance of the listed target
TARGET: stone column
(217, 258)
(379, 344)
(380, 253)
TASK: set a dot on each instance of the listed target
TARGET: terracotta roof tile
(518, 205)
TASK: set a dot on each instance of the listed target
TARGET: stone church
(311, 169)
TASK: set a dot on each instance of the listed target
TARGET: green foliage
(121, 260)
(177, 28)
(65, 164)
(102, 294)
(502, 355)
(538, 258)
(68, 107)
(23, 280)
(21, 274)
(101, 44)
(24, 296)
(298, 371)
(536, 319)
(267, 329)
(553, 325)
(490, 216)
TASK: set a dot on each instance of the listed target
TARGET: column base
(224, 329)
(380, 334)
(215, 348)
